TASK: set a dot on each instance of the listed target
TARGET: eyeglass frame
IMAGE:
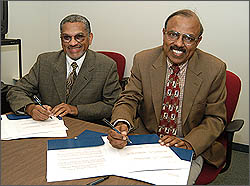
(183, 34)
(79, 41)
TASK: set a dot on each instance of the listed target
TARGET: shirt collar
(78, 61)
(182, 66)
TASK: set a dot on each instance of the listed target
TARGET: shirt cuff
(21, 111)
(125, 121)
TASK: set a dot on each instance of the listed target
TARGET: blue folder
(90, 138)
(87, 138)
(74, 143)
(16, 117)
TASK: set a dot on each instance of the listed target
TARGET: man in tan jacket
(201, 111)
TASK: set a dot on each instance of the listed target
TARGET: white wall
(131, 26)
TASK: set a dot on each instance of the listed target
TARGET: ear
(90, 38)
(163, 31)
(199, 40)
(163, 34)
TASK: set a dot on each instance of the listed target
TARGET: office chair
(5, 106)
(210, 172)
(121, 62)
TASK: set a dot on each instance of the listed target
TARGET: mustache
(74, 46)
(174, 47)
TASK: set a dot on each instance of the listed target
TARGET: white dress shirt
(79, 62)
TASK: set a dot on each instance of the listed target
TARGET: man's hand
(38, 112)
(174, 141)
(63, 109)
(118, 140)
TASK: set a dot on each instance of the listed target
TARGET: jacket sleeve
(20, 94)
(127, 104)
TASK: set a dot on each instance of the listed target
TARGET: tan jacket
(203, 110)
(94, 93)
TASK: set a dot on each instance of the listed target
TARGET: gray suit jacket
(94, 92)
(203, 110)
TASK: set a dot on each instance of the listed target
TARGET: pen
(37, 100)
(98, 181)
(109, 124)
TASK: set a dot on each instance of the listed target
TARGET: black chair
(5, 106)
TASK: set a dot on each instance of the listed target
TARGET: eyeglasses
(186, 38)
(78, 37)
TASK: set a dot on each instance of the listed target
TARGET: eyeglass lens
(186, 38)
(78, 38)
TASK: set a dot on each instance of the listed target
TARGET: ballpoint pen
(98, 181)
(110, 125)
(37, 100)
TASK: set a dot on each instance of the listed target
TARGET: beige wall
(129, 27)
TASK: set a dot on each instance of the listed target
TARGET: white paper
(144, 157)
(48, 134)
(139, 162)
(69, 164)
(25, 128)
(161, 177)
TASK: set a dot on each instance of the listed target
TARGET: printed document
(135, 161)
(161, 177)
(26, 128)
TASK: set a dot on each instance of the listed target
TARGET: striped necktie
(71, 79)
(170, 107)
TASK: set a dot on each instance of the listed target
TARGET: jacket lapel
(84, 75)
(59, 76)
(157, 79)
(192, 86)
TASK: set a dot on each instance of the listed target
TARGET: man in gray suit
(200, 115)
(95, 86)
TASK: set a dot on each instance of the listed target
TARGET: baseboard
(240, 147)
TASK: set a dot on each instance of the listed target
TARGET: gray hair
(76, 18)
(186, 13)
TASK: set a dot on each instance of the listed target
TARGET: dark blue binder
(143, 139)
(16, 117)
(87, 138)
(90, 138)
(74, 143)
(183, 154)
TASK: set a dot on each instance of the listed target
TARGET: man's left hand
(63, 109)
(174, 141)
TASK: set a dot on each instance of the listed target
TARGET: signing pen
(98, 181)
(37, 100)
(110, 125)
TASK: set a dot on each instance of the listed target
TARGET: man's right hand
(118, 140)
(38, 112)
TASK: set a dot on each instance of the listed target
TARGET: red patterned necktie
(169, 112)
(71, 79)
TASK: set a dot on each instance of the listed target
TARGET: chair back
(233, 86)
(119, 59)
